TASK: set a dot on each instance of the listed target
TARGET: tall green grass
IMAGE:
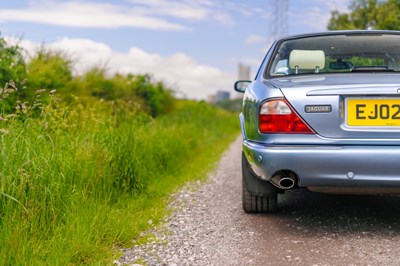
(78, 181)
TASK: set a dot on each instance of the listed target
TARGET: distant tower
(244, 72)
(279, 21)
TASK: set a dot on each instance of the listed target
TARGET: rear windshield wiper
(371, 69)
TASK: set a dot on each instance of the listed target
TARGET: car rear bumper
(328, 166)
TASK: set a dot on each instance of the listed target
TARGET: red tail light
(277, 116)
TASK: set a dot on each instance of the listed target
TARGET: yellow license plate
(373, 112)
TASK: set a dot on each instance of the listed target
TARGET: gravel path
(208, 227)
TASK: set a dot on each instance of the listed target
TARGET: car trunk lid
(346, 106)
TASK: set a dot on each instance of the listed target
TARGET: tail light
(277, 116)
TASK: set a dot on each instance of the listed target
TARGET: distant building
(244, 72)
(222, 95)
(218, 97)
(212, 98)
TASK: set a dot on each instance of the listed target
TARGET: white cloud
(247, 9)
(179, 9)
(147, 14)
(178, 70)
(87, 14)
(253, 39)
(192, 10)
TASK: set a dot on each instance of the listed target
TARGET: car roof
(340, 32)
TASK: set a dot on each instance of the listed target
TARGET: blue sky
(194, 46)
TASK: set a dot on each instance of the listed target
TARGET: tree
(12, 64)
(367, 14)
(388, 16)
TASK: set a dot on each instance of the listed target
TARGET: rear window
(337, 53)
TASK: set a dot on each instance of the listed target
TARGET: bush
(153, 98)
(157, 97)
(49, 69)
(12, 64)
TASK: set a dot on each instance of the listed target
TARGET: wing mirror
(241, 85)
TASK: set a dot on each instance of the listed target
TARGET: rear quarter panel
(253, 97)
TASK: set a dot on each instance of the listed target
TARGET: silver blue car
(323, 112)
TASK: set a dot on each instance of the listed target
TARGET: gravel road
(208, 227)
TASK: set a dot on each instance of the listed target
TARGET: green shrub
(49, 69)
(158, 98)
(12, 71)
(12, 64)
(153, 98)
(95, 83)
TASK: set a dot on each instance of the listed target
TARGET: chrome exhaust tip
(286, 181)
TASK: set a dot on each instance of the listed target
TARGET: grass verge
(82, 180)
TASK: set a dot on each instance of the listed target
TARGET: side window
(281, 67)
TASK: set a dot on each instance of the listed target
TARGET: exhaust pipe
(284, 180)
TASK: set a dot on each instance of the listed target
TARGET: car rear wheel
(258, 204)
(254, 203)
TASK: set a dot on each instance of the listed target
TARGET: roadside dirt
(210, 227)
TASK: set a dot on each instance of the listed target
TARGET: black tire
(257, 204)
(253, 203)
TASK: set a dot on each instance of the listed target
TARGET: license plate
(373, 112)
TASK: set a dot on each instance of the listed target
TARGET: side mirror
(241, 85)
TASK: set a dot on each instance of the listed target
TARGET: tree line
(367, 14)
(51, 70)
